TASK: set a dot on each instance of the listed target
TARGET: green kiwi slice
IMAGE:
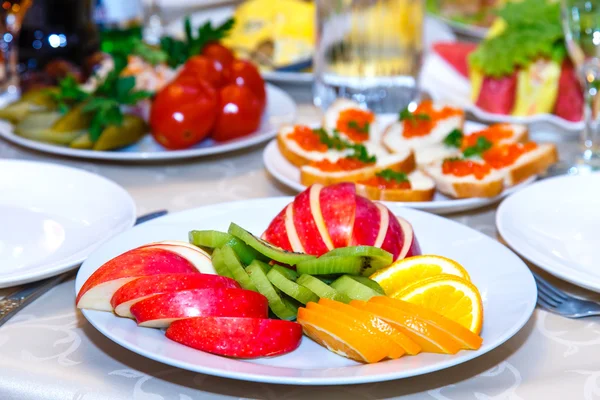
(353, 289)
(288, 273)
(321, 289)
(369, 282)
(276, 303)
(266, 249)
(236, 269)
(331, 265)
(219, 263)
(209, 240)
(292, 289)
(262, 265)
(375, 258)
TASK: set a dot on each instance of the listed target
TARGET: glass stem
(591, 133)
(10, 81)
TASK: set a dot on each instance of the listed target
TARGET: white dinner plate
(288, 174)
(506, 285)
(555, 224)
(280, 109)
(445, 84)
(52, 217)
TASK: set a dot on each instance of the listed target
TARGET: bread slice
(422, 189)
(332, 114)
(534, 162)
(466, 186)
(400, 162)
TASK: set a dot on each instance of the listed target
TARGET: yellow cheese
(537, 88)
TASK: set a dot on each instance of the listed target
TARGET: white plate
(288, 174)
(506, 285)
(555, 224)
(280, 109)
(52, 217)
(447, 85)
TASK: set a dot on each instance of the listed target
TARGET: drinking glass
(369, 51)
(153, 25)
(581, 24)
(12, 13)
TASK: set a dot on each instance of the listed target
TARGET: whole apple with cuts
(323, 218)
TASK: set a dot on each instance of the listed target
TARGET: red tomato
(203, 68)
(183, 113)
(217, 51)
(239, 113)
(244, 73)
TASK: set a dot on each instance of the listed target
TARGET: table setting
(294, 199)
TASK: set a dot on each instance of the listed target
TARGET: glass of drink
(581, 24)
(11, 16)
(368, 51)
(153, 25)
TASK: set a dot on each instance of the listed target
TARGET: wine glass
(12, 13)
(153, 29)
(581, 24)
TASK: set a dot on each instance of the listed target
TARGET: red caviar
(307, 139)
(494, 133)
(462, 168)
(343, 164)
(355, 123)
(383, 183)
(505, 155)
(422, 126)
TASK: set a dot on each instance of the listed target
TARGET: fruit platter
(184, 98)
(425, 157)
(331, 283)
(513, 75)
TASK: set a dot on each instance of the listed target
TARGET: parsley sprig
(414, 118)
(359, 128)
(68, 93)
(335, 141)
(391, 175)
(481, 145)
(454, 138)
(178, 51)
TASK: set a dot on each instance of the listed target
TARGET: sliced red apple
(290, 228)
(237, 337)
(146, 286)
(410, 246)
(200, 258)
(338, 206)
(276, 233)
(304, 222)
(100, 287)
(366, 223)
(161, 310)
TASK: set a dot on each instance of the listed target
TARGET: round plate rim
(311, 381)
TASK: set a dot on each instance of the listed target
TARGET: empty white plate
(52, 217)
(555, 224)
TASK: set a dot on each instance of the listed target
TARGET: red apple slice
(237, 337)
(146, 286)
(276, 233)
(395, 237)
(338, 206)
(290, 228)
(366, 223)
(410, 247)
(161, 310)
(100, 287)
(200, 258)
(306, 227)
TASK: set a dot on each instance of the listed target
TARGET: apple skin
(200, 258)
(237, 337)
(305, 224)
(410, 245)
(276, 234)
(366, 223)
(100, 287)
(141, 288)
(338, 207)
(161, 310)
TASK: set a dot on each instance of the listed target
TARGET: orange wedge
(468, 339)
(372, 323)
(454, 298)
(339, 335)
(431, 338)
(408, 271)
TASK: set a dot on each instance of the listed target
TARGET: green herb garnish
(68, 93)
(406, 115)
(391, 175)
(360, 153)
(335, 141)
(481, 145)
(454, 138)
(355, 125)
(450, 159)
(178, 51)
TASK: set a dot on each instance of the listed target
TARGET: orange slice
(431, 338)
(468, 339)
(454, 298)
(408, 271)
(372, 323)
(339, 335)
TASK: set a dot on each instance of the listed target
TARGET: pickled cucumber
(130, 131)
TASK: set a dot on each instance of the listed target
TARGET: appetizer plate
(288, 174)
(280, 109)
(444, 84)
(52, 217)
(506, 285)
(561, 233)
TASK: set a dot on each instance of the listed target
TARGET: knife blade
(16, 301)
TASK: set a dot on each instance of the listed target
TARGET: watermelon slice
(456, 54)
(497, 95)
(569, 104)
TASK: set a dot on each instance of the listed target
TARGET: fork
(555, 300)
